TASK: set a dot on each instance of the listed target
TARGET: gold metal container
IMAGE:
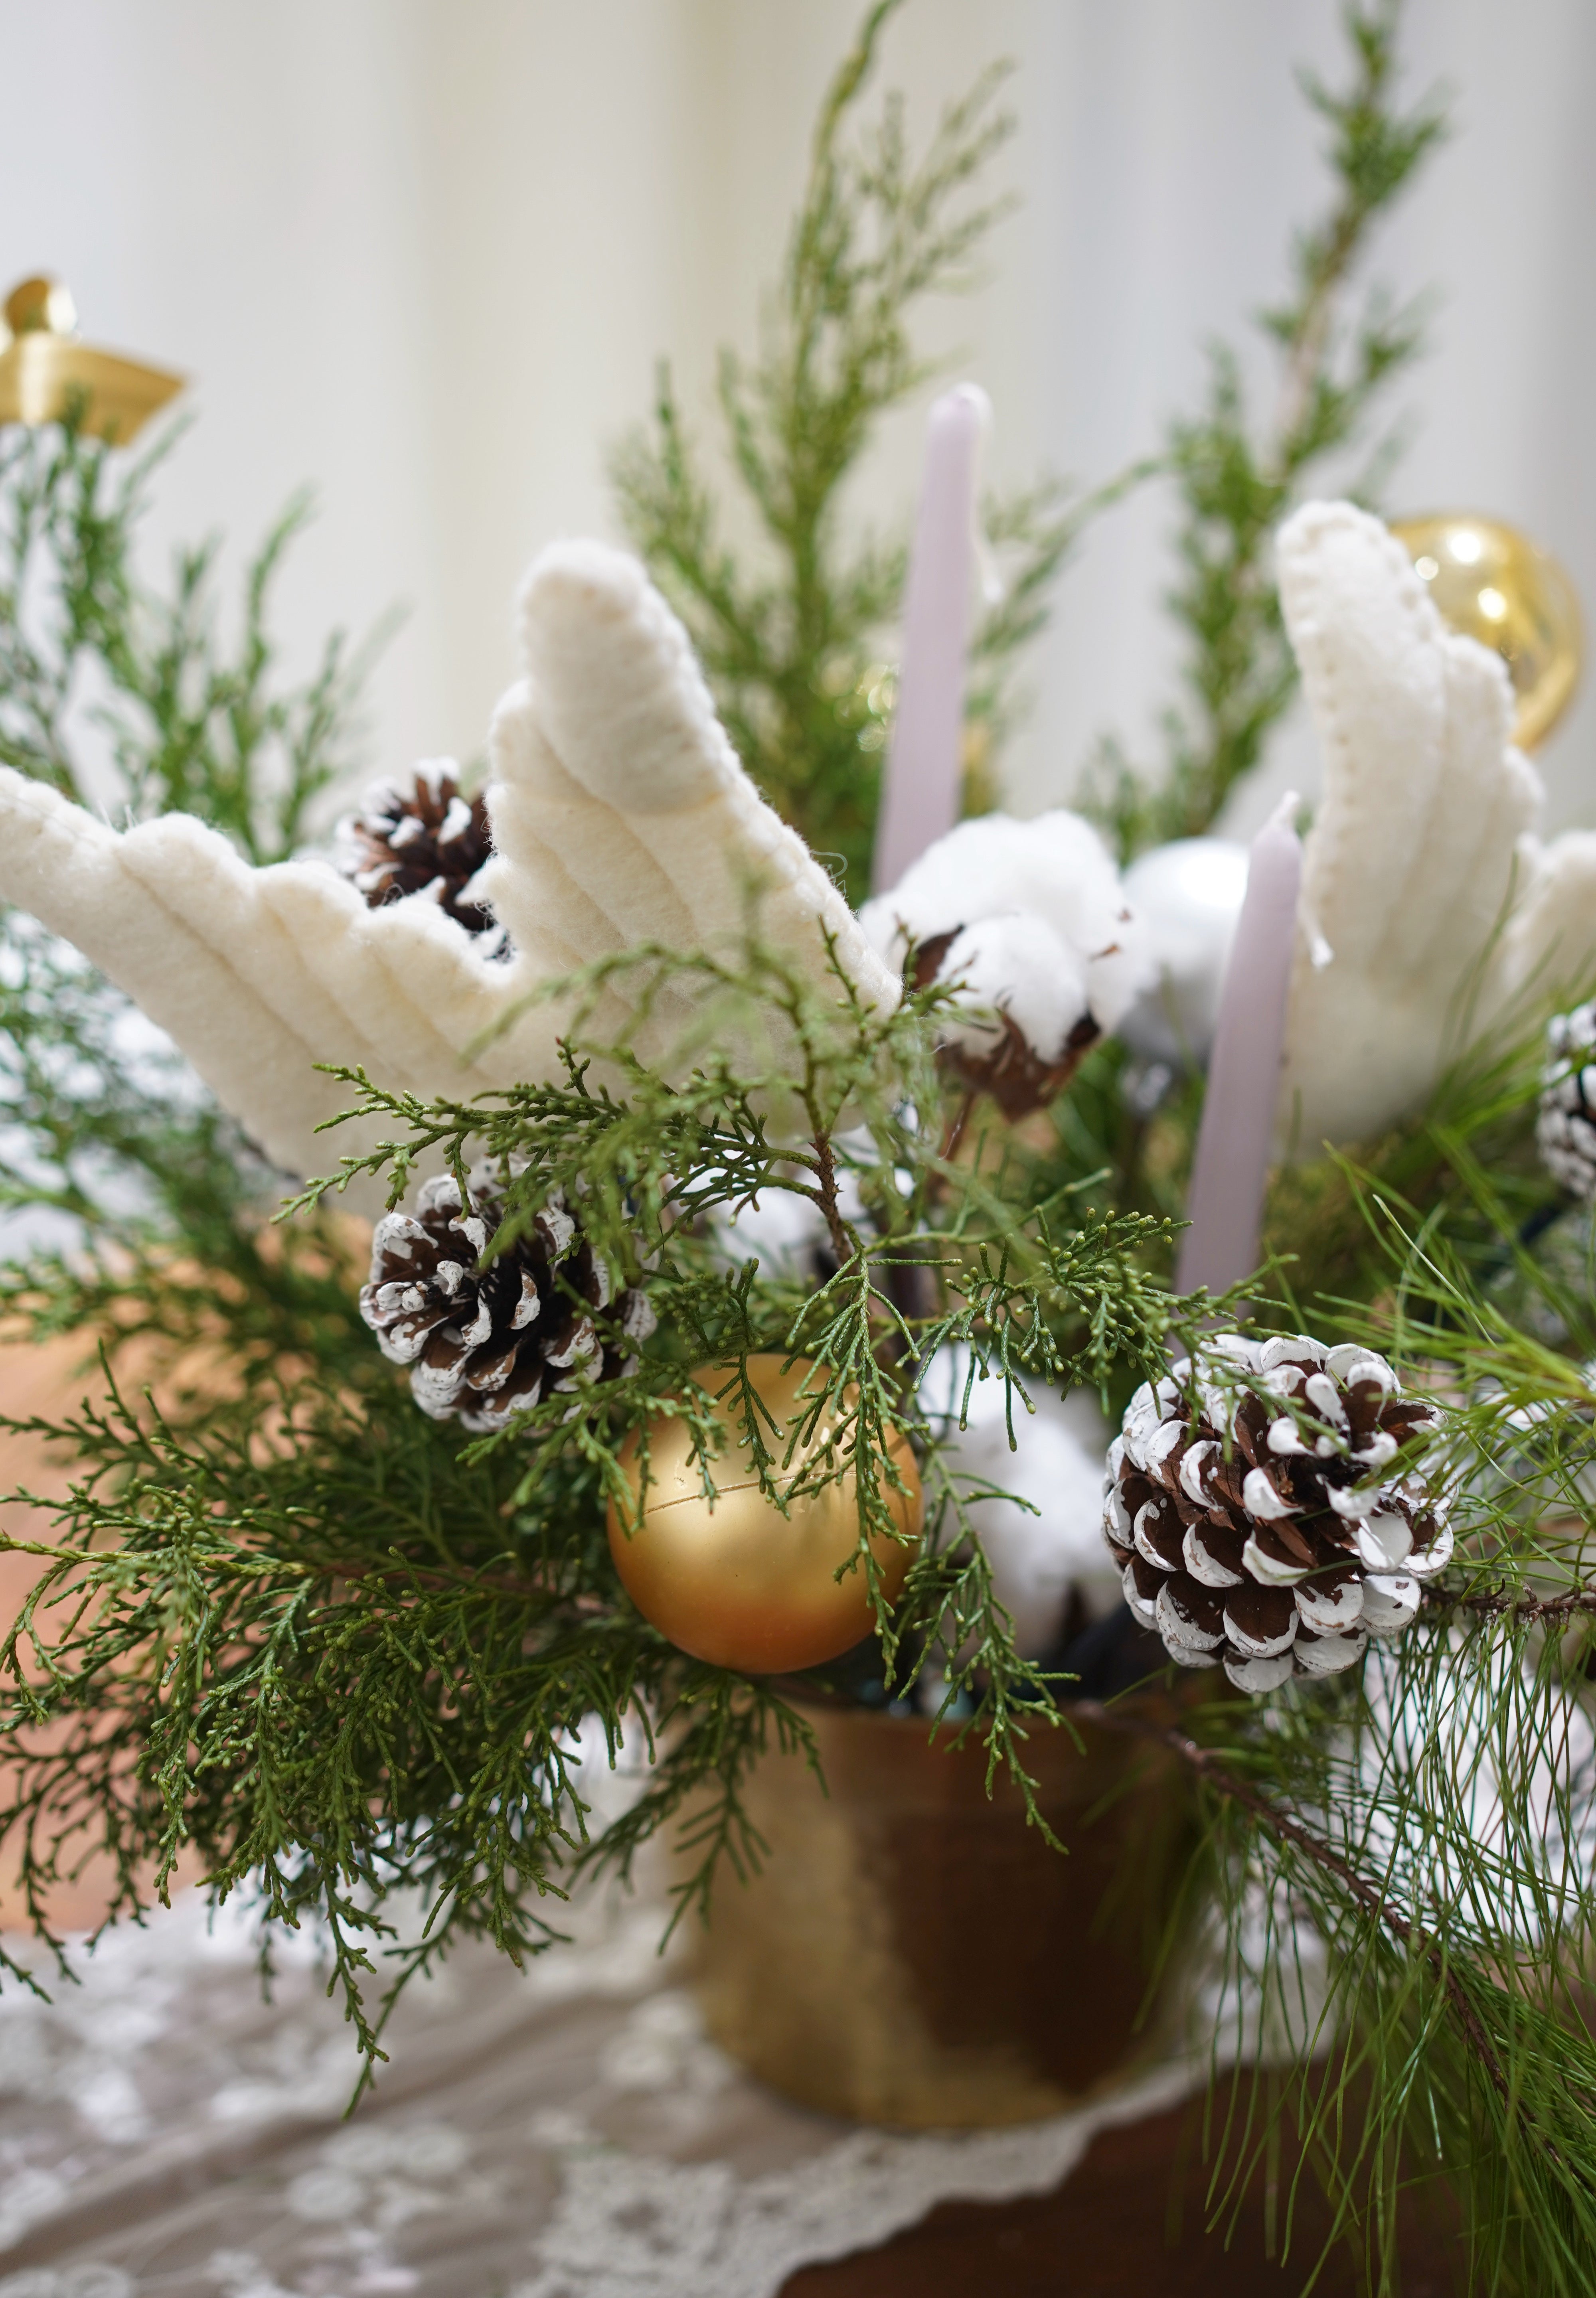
(46, 374)
(913, 1954)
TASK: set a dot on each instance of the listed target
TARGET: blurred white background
(425, 252)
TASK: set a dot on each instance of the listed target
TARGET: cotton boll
(1029, 919)
(1057, 1467)
(1016, 966)
(1054, 868)
(1187, 897)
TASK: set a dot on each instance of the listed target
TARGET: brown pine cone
(430, 840)
(1246, 1507)
(482, 1343)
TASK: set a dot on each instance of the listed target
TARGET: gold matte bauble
(733, 1581)
(1494, 584)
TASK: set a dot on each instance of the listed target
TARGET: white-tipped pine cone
(429, 841)
(1565, 1128)
(482, 1343)
(1247, 1507)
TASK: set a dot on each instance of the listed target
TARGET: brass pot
(912, 1953)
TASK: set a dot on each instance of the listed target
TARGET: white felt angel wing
(619, 812)
(259, 974)
(1414, 862)
(1547, 951)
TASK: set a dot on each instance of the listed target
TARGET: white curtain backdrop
(424, 254)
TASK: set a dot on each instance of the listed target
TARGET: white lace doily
(564, 2133)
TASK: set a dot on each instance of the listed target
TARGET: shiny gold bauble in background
(46, 374)
(733, 1581)
(1494, 584)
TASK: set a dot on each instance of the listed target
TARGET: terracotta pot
(912, 1953)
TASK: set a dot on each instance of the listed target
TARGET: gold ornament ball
(733, 1581)
(1494, 584)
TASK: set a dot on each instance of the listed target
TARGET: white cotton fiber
(1054, 869)
(1018, 965)
(1057, 1466)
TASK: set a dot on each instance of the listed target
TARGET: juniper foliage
(799, 647)
(1236, 477)
(793, 649)
(91, 653)
(336, 1649)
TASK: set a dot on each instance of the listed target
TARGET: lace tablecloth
(566, 2132)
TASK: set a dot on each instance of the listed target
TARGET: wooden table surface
(46, 1380)
(1129, 2222)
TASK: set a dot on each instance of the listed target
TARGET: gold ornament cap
(1492, 583)
(46, 375)
(733, 1581)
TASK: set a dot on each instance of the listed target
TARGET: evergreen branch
(1402, 1926)
(192, 726)
(1233, 483)
(792, 654)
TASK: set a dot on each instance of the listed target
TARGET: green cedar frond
(793, 652)
(193, 725)
(339, 1648)
(289, 1626)
(1235, 479)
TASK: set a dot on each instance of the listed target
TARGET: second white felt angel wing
(1417, 866)
(260, 974)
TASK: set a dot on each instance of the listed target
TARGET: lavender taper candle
(1225, 1207)
(920, 791)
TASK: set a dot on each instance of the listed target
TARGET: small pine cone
(482, 1343)
(1246, 1507)
(1565, 1128)
(430, 840)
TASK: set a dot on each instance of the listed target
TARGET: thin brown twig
(825, 1165)
(1496, 1602)
(956, 1127)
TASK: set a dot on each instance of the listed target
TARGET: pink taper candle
(1225, 1207)
(920, 791)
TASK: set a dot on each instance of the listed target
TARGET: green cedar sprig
(341, 1650)
(799, 650)
(1236, 478)
(193, 725)
(793, 649)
